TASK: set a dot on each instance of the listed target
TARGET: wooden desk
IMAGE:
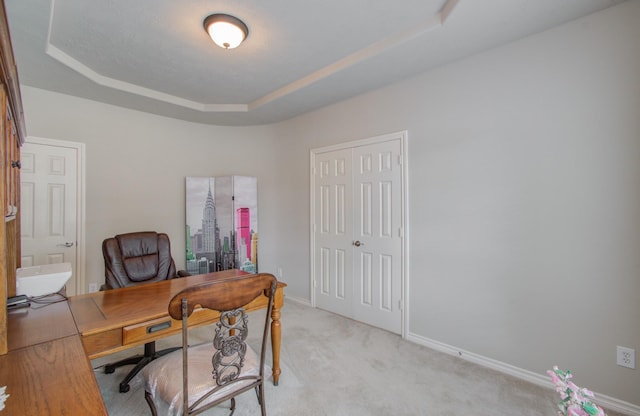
(46, 370)
(38, 324)
(115, 320)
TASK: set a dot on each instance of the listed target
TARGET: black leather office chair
(133, 259)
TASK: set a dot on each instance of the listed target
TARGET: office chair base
(110, 368)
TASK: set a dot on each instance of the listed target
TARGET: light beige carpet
(332, 366)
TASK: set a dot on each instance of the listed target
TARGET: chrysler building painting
(222, 224)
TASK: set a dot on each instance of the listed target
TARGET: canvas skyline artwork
(221, 224)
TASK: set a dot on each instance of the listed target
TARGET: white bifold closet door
(358, 233)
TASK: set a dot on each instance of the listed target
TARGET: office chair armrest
(183, 273)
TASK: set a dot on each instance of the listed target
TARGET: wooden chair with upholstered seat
(212, 372)
(133, 259)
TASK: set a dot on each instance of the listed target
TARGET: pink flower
(576, 411)
(587, 393)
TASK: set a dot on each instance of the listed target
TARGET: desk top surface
(38, 324)
(50, 378)
(109, 309)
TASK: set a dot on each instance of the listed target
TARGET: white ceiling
(154, 55)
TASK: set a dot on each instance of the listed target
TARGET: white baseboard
(610, 403)
(301, 301)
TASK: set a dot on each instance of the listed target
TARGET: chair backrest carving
(230, 344)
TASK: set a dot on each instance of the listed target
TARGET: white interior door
(358, 232)
(333, 234)
(377, 176)
(49, 178)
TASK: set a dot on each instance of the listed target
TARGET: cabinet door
(9, 197)
(5, 286)
(11, 137)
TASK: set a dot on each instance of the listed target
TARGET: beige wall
(524, 226)
(137, 164)
(523, 178)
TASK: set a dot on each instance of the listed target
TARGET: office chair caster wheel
(108, 369)
(124, 388)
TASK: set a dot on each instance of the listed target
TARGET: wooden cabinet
(12, 135)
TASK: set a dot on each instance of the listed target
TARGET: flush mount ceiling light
(226, 31)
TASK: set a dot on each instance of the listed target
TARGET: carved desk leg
(276, 334)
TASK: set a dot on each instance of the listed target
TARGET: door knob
(357, 243)
(67, 244)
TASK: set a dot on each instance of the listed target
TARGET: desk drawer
(162, 327)
(150, 330)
